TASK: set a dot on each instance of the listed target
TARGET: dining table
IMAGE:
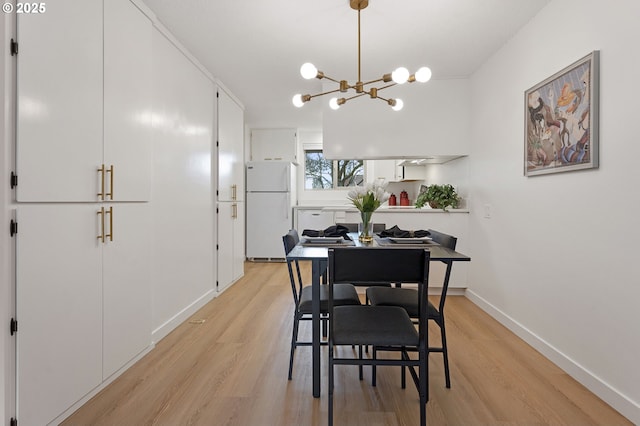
(317, 252)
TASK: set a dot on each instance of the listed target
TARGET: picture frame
(561, 120)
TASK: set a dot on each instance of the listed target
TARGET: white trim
(620, 402)
(166, 328)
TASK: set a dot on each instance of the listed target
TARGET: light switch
(487, 211)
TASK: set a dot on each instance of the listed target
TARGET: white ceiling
(256, 47)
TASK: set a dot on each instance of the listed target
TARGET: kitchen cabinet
(274, 144)
(231, 206)
(392, 171)
(230, 149)
(78, 139)
(231, 243)
(313, 219)
(82, 300)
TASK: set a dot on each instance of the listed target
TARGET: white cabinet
(231, 178)
(231, 243)
(230, 149)
(66, 127)
(392, 171)
(82, 300)
(313, 219)
(274, 144)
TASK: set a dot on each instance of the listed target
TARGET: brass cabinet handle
(234, 192)
(110, 234)
(234, 211)
(101, 193)
(110, 193)
(101, 214)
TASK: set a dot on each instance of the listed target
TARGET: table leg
(316, 269)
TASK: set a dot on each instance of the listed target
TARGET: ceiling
(256, 47)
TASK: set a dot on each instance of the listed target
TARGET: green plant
(438, 197)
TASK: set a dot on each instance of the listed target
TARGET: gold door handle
(234, 191)
(110, 193)
(101, 214)
(234, 211)
(101, 193)
(110, 234)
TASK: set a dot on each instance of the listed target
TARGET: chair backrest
(353, 227)
(362, 265)
(290, 240)
(448, 241)
(445, 240)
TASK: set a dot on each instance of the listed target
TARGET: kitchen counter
(388, 209)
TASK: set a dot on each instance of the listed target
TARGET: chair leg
(373, 367)
(330, 387)
(423, 379)
(445, 354)
(360, 368)
(294, 339)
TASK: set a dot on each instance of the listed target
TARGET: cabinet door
(126, 284)
(59, 308)
(225, 244)
(59, 96)
(230, 149)
(274, 144)
(127, 101)
(313, 219)
(387, 170)
(238, 241)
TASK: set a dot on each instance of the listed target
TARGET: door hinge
(14, 326)
(13, 228)
(14, 47)
(13, 422)
(14, 180)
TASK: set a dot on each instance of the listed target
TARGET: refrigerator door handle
(286, 207)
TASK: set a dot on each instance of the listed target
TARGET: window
(320, 173)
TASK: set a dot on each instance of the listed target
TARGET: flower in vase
(367, 199)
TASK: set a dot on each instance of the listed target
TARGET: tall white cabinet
(83, 147)
(231, 188)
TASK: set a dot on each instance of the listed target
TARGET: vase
(365, 227)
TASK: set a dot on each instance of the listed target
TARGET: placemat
(344, 243)
(384, 241)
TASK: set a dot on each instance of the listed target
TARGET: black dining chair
(385, 328)
(409, 298)
(345, 294)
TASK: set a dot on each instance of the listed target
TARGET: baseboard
(100, 387)
(620, 402)
(166, 328)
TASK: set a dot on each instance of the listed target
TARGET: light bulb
(297, 100)
(333, 103)
(400, 75)
(423, 75)
(398, 106)
(308, 71)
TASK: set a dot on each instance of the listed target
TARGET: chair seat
(404, 297)
(373, 325)
(343, 294)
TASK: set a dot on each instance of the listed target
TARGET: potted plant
(438, 197)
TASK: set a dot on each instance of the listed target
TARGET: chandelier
(399, 76)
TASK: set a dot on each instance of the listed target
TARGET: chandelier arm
(387, 86)
(356, 96)
(329, 78)
(372, 81)
(323, 93)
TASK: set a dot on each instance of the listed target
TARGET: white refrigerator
(271, 195)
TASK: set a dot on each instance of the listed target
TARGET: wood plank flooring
(232, 370)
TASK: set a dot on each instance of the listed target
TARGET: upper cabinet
(435, 121)
(274, 144)
(77, 139)
(230, 148)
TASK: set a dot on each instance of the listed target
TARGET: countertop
(383, 209)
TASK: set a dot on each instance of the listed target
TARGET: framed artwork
(561, 120)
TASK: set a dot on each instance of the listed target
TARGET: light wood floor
(232, 370)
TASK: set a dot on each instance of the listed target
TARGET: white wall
(556, 260)
(183, 189)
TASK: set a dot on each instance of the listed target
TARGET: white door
(230, 149)
(225, 253)
(238, 241)
(59, 308)
(268, 219)
(127, 101)
(126, 284)
(59, 95)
